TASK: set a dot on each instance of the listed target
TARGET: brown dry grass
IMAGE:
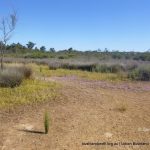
(83, 113)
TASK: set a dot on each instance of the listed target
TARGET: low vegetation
(18, 85)
(91, 67)
(46, 122)
(142, 74)
(12, 76)
(91, 70)
(132, 71)
(122, 108)
(30, 91)
(26, 71)
(43, 70)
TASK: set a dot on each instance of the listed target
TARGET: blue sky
(82, 24)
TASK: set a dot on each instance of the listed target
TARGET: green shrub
(101, 68)
(10, 78)
(26, 71)
(54, 65)
(142, 74)
(40, 69)
(108, 68)
(116, 68)
(14, 75)
(46, 122)
(71, 55)
(84, 67)
(37, 55)
(63, 57)
(87, 67)
(131, 67)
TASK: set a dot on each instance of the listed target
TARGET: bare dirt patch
(87, 111)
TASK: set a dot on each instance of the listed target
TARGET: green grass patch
(43, 70)
(30, 91)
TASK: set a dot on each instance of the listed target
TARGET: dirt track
(87, 111)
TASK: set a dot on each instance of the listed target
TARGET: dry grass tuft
(122, 107)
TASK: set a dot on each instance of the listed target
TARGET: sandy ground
(101, 114)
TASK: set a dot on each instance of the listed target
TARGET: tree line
(31, 51)
(29, 47)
